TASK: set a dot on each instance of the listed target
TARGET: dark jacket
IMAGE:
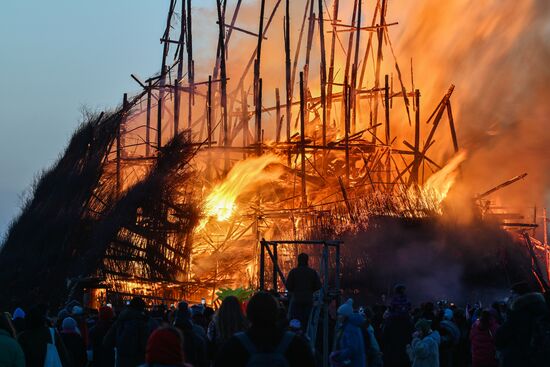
(129, 336)
(34, 341)
(302, 281)
(234, 354)
(75, 347)
(395, 337)
(514, 336)
(102, 356)
(194, 346)
(11, 354)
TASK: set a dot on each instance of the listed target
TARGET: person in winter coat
(450, 337)
(424, 349)
(228, 321)
(101, 356)
(129, 334)
(195, 347)
(482, 337)
(528, 311)
(372, 348)
(73, 342)
(301, 283)
(397, 330)
(18, 320)
(165, 349)
(37, 336)
(264, 342)
(349, 345)
(11, 354)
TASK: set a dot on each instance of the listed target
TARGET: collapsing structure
(169, 196)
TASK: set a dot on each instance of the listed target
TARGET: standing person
(195, 347)
(18, 320)
(101, 356)
(36, 337)
(424, 349)
(482, 337)
(11, 354)
(73, 342)
(301, 283)
(228, 321)
(264, 344)
(523, 338)
(349, 345)
(165, 348)
(450, 337)
(129, 334)
(397, 330)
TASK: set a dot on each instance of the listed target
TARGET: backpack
(52, 356)
(271, 359)
(539, 345)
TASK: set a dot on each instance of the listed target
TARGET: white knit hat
(346, 309)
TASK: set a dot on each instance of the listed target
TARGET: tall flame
(439, 184)
(245, 176)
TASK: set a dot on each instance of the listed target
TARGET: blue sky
(56, 56)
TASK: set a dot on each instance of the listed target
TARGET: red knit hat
(164, 347)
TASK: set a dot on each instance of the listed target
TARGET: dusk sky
(57, 56)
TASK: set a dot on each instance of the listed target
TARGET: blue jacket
(350, 345)
(425, 351)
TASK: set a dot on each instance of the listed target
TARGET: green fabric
(11, 354)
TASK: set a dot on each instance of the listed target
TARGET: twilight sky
(56, 56)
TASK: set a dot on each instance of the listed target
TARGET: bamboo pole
(332, 53)
(302, 141)
(323, 76)
(288, 75)
(148, 121)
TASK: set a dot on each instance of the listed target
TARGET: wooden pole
(347, 107)
(148, 121)
(387, 108)
(354, 100)
(244, 117)
(323, 77)
(303, 141)
(413, 178)
(259, 118)
(452, 126)
(190, 64)
(545, 239)
(332, 53)
(176, 106)
(379, 58)
(209, 111)
(348, 53)
(223, 77)
(278, 115)
(119, 144)
(287, 74)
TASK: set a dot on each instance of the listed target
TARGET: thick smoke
(435, 259)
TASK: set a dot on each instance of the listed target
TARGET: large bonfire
(289, 120)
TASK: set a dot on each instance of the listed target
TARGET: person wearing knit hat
(165, 348)
(424, 349)
(195, 347)
(73, 342)
(97, 352)
(18, 320)
(349, 345)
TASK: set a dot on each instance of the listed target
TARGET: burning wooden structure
(185, 178)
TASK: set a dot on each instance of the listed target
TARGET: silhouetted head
(262, 310)
(303, 259)
(399, 289)
(137, 303)
(521, 288)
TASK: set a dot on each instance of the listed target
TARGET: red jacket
(483, 345)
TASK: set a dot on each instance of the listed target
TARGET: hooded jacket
(483, 344)
(425, 351)
(350, 345)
